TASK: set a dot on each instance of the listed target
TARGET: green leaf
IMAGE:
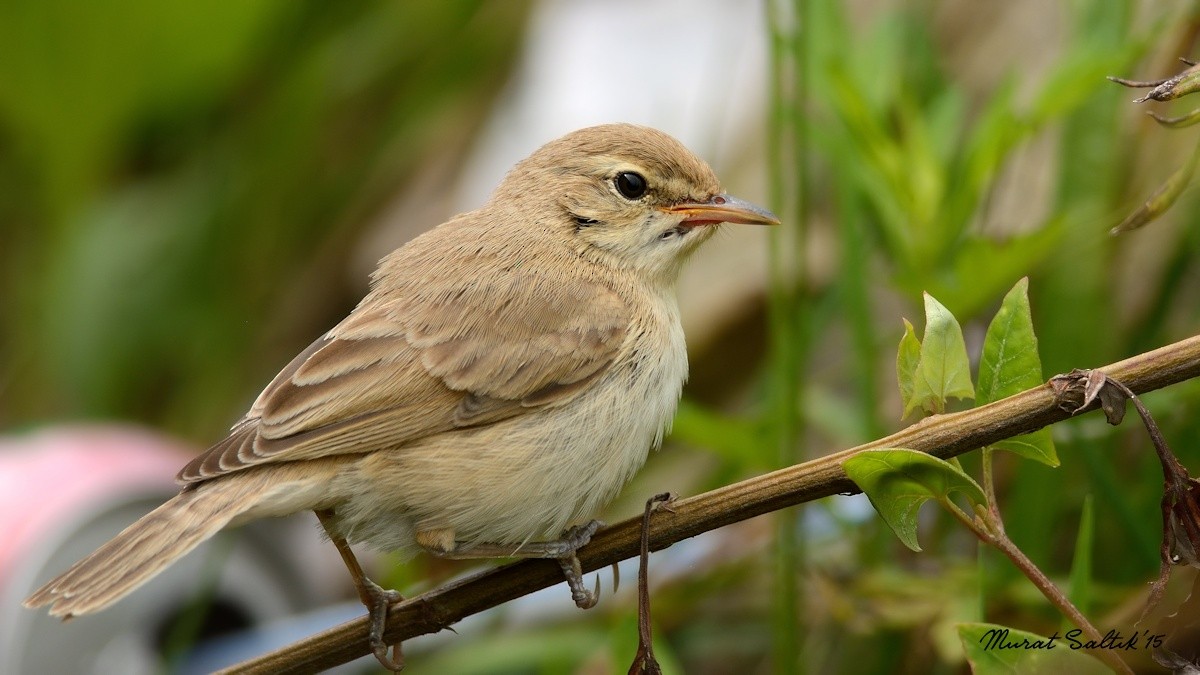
(881, 167)
(1037, 445)
(996, 650)
(898, 481)
(944, 370)
(1162, 198)
(991, 265)
(908, 359)
(1080, 592)
(1010, 364)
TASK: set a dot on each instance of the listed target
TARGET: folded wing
(427, 355)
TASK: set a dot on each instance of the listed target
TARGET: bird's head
(631, 196)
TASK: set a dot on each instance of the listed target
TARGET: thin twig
(644, 662)
(942, 436)
(989, 528)
(1056, 597)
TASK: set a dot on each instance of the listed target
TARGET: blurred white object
(696, 69)
(65, 491)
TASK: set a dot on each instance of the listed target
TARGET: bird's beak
(723, 209)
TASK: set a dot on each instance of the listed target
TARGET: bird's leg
(441, 543)
(373, 596)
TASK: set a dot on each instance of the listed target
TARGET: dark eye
(630, 185)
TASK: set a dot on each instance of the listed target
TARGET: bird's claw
(584, 599)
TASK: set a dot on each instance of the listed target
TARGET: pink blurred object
(64, 491)
(53, 477)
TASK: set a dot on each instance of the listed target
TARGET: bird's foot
(378, 599)
(572, 540)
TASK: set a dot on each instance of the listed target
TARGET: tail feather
(145, 548)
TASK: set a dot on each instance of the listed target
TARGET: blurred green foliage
(913, 163)
(180, 184)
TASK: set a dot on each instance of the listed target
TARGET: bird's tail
(145, 548)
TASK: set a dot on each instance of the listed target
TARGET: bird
(504, 377)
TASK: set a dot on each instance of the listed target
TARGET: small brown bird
(502, 380)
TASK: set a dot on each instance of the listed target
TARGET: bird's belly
(523, 479)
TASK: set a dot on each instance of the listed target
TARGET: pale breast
(527, 478)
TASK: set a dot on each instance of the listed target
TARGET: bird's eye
(631, 185)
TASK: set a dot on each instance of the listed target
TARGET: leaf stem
(988, 527)
(989, 485)
(1058, 599)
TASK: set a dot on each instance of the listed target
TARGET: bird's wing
(425, 357)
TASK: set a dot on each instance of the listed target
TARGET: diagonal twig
(942, 436)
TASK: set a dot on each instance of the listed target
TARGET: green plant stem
(788, 349)
(989, 485)
(1058, 599)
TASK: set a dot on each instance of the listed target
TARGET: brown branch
(942, 436)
